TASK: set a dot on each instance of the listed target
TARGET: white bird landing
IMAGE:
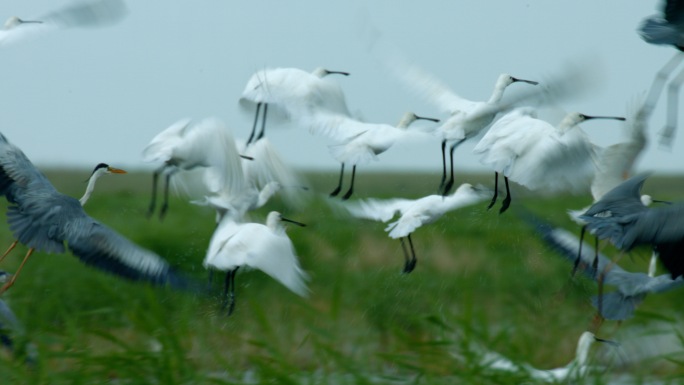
(264, 247)
(536, 154)
(81, 14)
(466, 118)
(415, 213)
(371, 140)
(293, 92)
(184, 146)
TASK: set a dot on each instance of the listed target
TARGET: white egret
(414, 214)
(466, 118)
(536, 154)
(615, 163)
(45, 220)
(254, 245)
(80, 14)
(294, 92)
(371, 140)
(185, 146)
(574, 371)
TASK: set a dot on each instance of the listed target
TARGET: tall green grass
(483, 282)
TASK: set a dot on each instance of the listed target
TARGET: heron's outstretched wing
(18, 175)
(99, 246)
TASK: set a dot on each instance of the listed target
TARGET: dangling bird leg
(496, 190)
(165, 205)
(9, 283)
(256, 119)
(12, 246)
(155, 178)
(351, 187)
(263, 123)
(507, 201)
(339, 184)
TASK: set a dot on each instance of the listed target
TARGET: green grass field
(483, 281)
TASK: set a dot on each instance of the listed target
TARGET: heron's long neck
(497, 94)
(89, 189)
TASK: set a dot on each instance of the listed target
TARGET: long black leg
(450, 183)
(496, 190)
(407, 257)
(412, 263)
(155, 179)
(596, 245)
(256, 118)
(579, 252)
(339, 184)
(263, 122)
(507, 201)
(165, 204)
(444, 167)
(229, 291)
(351, 187)
(210, 279)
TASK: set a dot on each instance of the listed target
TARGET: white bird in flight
(536, 154)
(76, 15)
(466, 118)
(414, 214)
(574, 371)
(186, 145)
(254, 245)
(292, 91)
(370, 140)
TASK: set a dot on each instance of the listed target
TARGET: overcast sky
(84, 96)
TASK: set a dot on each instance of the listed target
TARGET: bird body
(185, 145)
(415, 213)
(258, 246)
(536, 154)
(631, 288)
(573, 371)
(79, 14)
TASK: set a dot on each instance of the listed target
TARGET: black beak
(291, 221)
(659, 201)
(338, 73)
(524, 81)
(586, 117)
(424, 118)
(246, 157)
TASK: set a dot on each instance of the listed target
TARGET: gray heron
(631, 287)
(667, 28)
(43, 219)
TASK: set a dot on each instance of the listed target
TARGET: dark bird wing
(624, 199)
(42, 218)
(674, 11)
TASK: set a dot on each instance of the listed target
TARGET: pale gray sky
(80, 97)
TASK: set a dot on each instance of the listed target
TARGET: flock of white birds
(240, 176)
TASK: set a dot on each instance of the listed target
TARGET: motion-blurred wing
(378, 210)
(77, 15)
(18, 175)
(430, 88)
(99, 246)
